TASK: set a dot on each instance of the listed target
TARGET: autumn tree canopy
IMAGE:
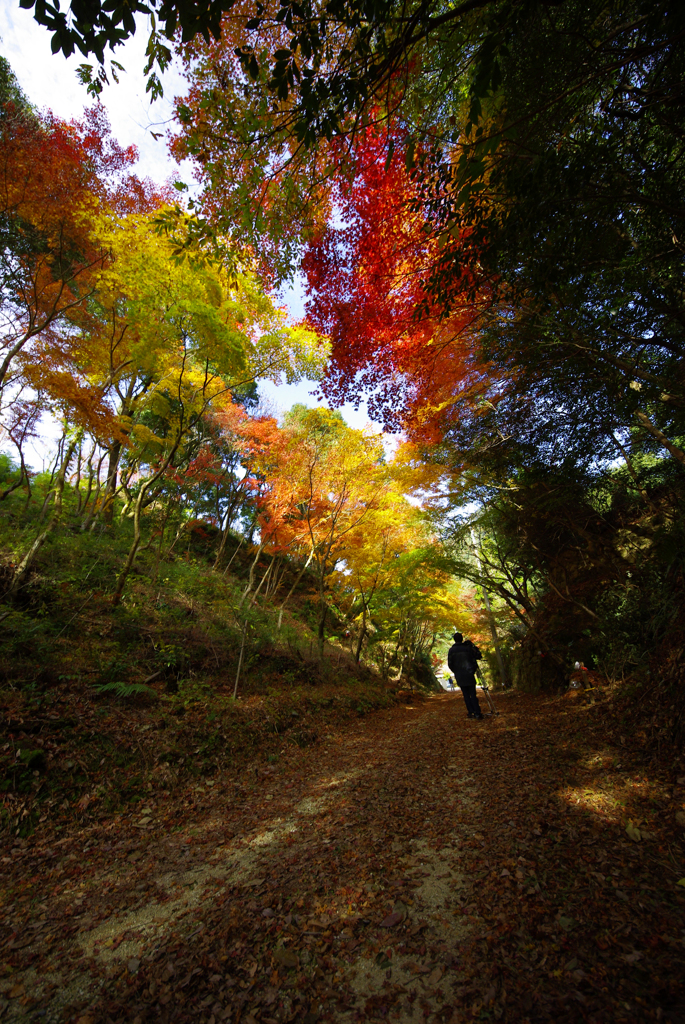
(486, 203)
(483, 126)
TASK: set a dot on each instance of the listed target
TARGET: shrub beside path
(411, 865)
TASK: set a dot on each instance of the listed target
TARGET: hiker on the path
(463, 658)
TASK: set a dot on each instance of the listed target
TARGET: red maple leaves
(369, 291)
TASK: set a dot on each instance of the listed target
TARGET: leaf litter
(412, 866)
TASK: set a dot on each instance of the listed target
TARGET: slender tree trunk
(179, 534)
(29, 491)
(247, 592)
(137, 510)
(253, 567)
(225, 533)
(240, 660)
(127, 494)
(677, 453)
(111, 485)
(265, 579)
(495, 640)
(323, 607)
(276, 577)
(222, 545)
(293, 588)
(491, 619)
(261, 583)
(57, 462)
(46, 502)
(165, 522)
(29, 557)
(395, 657)
(321, 639)
(230, 563)
(90, 518)
(158, 556)
(133, 551)
(362, 634)
(24, 474)
(83, 499)
(77, 483)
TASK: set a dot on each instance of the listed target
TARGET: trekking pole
(486, 691)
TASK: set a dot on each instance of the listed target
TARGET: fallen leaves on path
(412, 866)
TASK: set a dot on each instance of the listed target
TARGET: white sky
(50, 81)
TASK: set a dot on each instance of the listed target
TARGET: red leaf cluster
(368, 275)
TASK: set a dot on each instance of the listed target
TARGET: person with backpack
(462, 658)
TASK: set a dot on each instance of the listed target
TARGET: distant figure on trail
(462, 659)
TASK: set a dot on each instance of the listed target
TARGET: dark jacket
(463, 662)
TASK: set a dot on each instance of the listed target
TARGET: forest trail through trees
(410, 865)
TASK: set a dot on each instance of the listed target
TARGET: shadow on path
(414, 865)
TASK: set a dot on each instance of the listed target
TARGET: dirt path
(414, 865)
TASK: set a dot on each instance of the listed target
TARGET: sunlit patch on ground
(440, 870)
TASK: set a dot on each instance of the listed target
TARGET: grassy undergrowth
(103, 704)
(178, 617)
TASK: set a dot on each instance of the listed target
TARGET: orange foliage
(54, 179)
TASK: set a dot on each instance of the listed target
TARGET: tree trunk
(261, 583)
(28, 559)
(111, 485)
(137, 510)
(77, 483)
(158, 556)
(292, 589)
(84, 499)
(677, 453)
(322, 628)
(250, 581)
(495, 640)
(491, 618)
(276, 577)
(58, 462)
(240, 660)
(222, 545)
(362, 634)
(90, 518)
(225, 535)
(266, 578)
(132, 552)
(230, 562)
(323, 607)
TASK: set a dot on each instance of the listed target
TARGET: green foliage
(24, 633)
(422, 673)
(11, 92)
(588, 567)
(9, 470)
(179, 616)
(126, 690)
(34, 760)
(169, 656)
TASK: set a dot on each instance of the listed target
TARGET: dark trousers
(468, 692)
